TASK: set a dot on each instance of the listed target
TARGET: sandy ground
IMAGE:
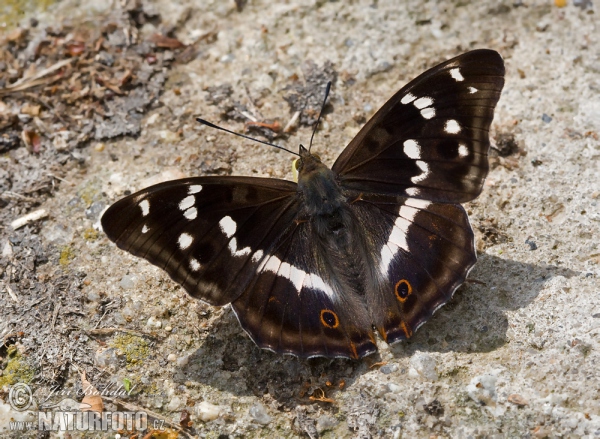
(516, 351)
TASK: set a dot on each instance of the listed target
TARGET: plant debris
(307, 96)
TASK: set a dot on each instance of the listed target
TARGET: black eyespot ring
(403, 289)
(329, 319)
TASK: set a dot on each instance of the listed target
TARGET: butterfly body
(377, 243)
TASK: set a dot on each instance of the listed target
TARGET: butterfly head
(307, 162)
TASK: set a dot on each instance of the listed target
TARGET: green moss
(66, 255)
(17, 370)
(90, 234)
(12, 11)
(134, 348)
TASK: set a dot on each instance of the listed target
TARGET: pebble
(423, 366)
(388, 368)
(172, 358)
(94, 210)
(207, 412)
(127, 282)
(107, 358)
(175, 404)
(258, 412)
(154, 322)
(325, 423)
(482, 389)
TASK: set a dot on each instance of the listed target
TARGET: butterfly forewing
(431, 139)
(205, 232)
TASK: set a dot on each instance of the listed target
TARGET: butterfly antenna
(212, 125)
(320, 114)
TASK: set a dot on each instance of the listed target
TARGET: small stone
(168, 328)
(546, 118)
(172, 358)
(388, 369)
(127, 282)
(482, 389)
(94, 210)
(154, 322)
(423, 366)
(207, 412)
(168, 136)
(258, 412)
(395, 388)
(7, 250)
(325, 423)
(107, 358)
(517, 399)
(118, 318)
(175, 404)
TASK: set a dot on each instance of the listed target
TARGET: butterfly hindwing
(295, 306)
(423, 252)
(431, 139)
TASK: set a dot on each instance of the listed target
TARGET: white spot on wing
(408, 98)
(194, 264)
(228, 226)
(145, 229)
(428, 112)
(418, 203)
(455, 73)
(194, 189)
(423, 175)
(187, 202)
(185, 240)
(473, 90)
(235, 251)
(413, 191)
(399, 233)
(191, 213)
(257, 256)
(423, 102)
(296, 276)
(463, 151)
(452, 127)
(145, 206)
(412, 149)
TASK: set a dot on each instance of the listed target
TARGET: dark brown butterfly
(376, 243)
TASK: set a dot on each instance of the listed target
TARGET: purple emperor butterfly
(376, 243)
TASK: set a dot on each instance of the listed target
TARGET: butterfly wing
(431, 139)
(295, 306)
(240, 240)
(205, 232)
(423, 251)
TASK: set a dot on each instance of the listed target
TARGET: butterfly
(376, 244)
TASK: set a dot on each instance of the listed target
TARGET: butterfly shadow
(473, 321)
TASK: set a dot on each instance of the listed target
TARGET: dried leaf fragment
(92, 401)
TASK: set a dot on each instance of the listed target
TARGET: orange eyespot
(329, 319)
(402, 290)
